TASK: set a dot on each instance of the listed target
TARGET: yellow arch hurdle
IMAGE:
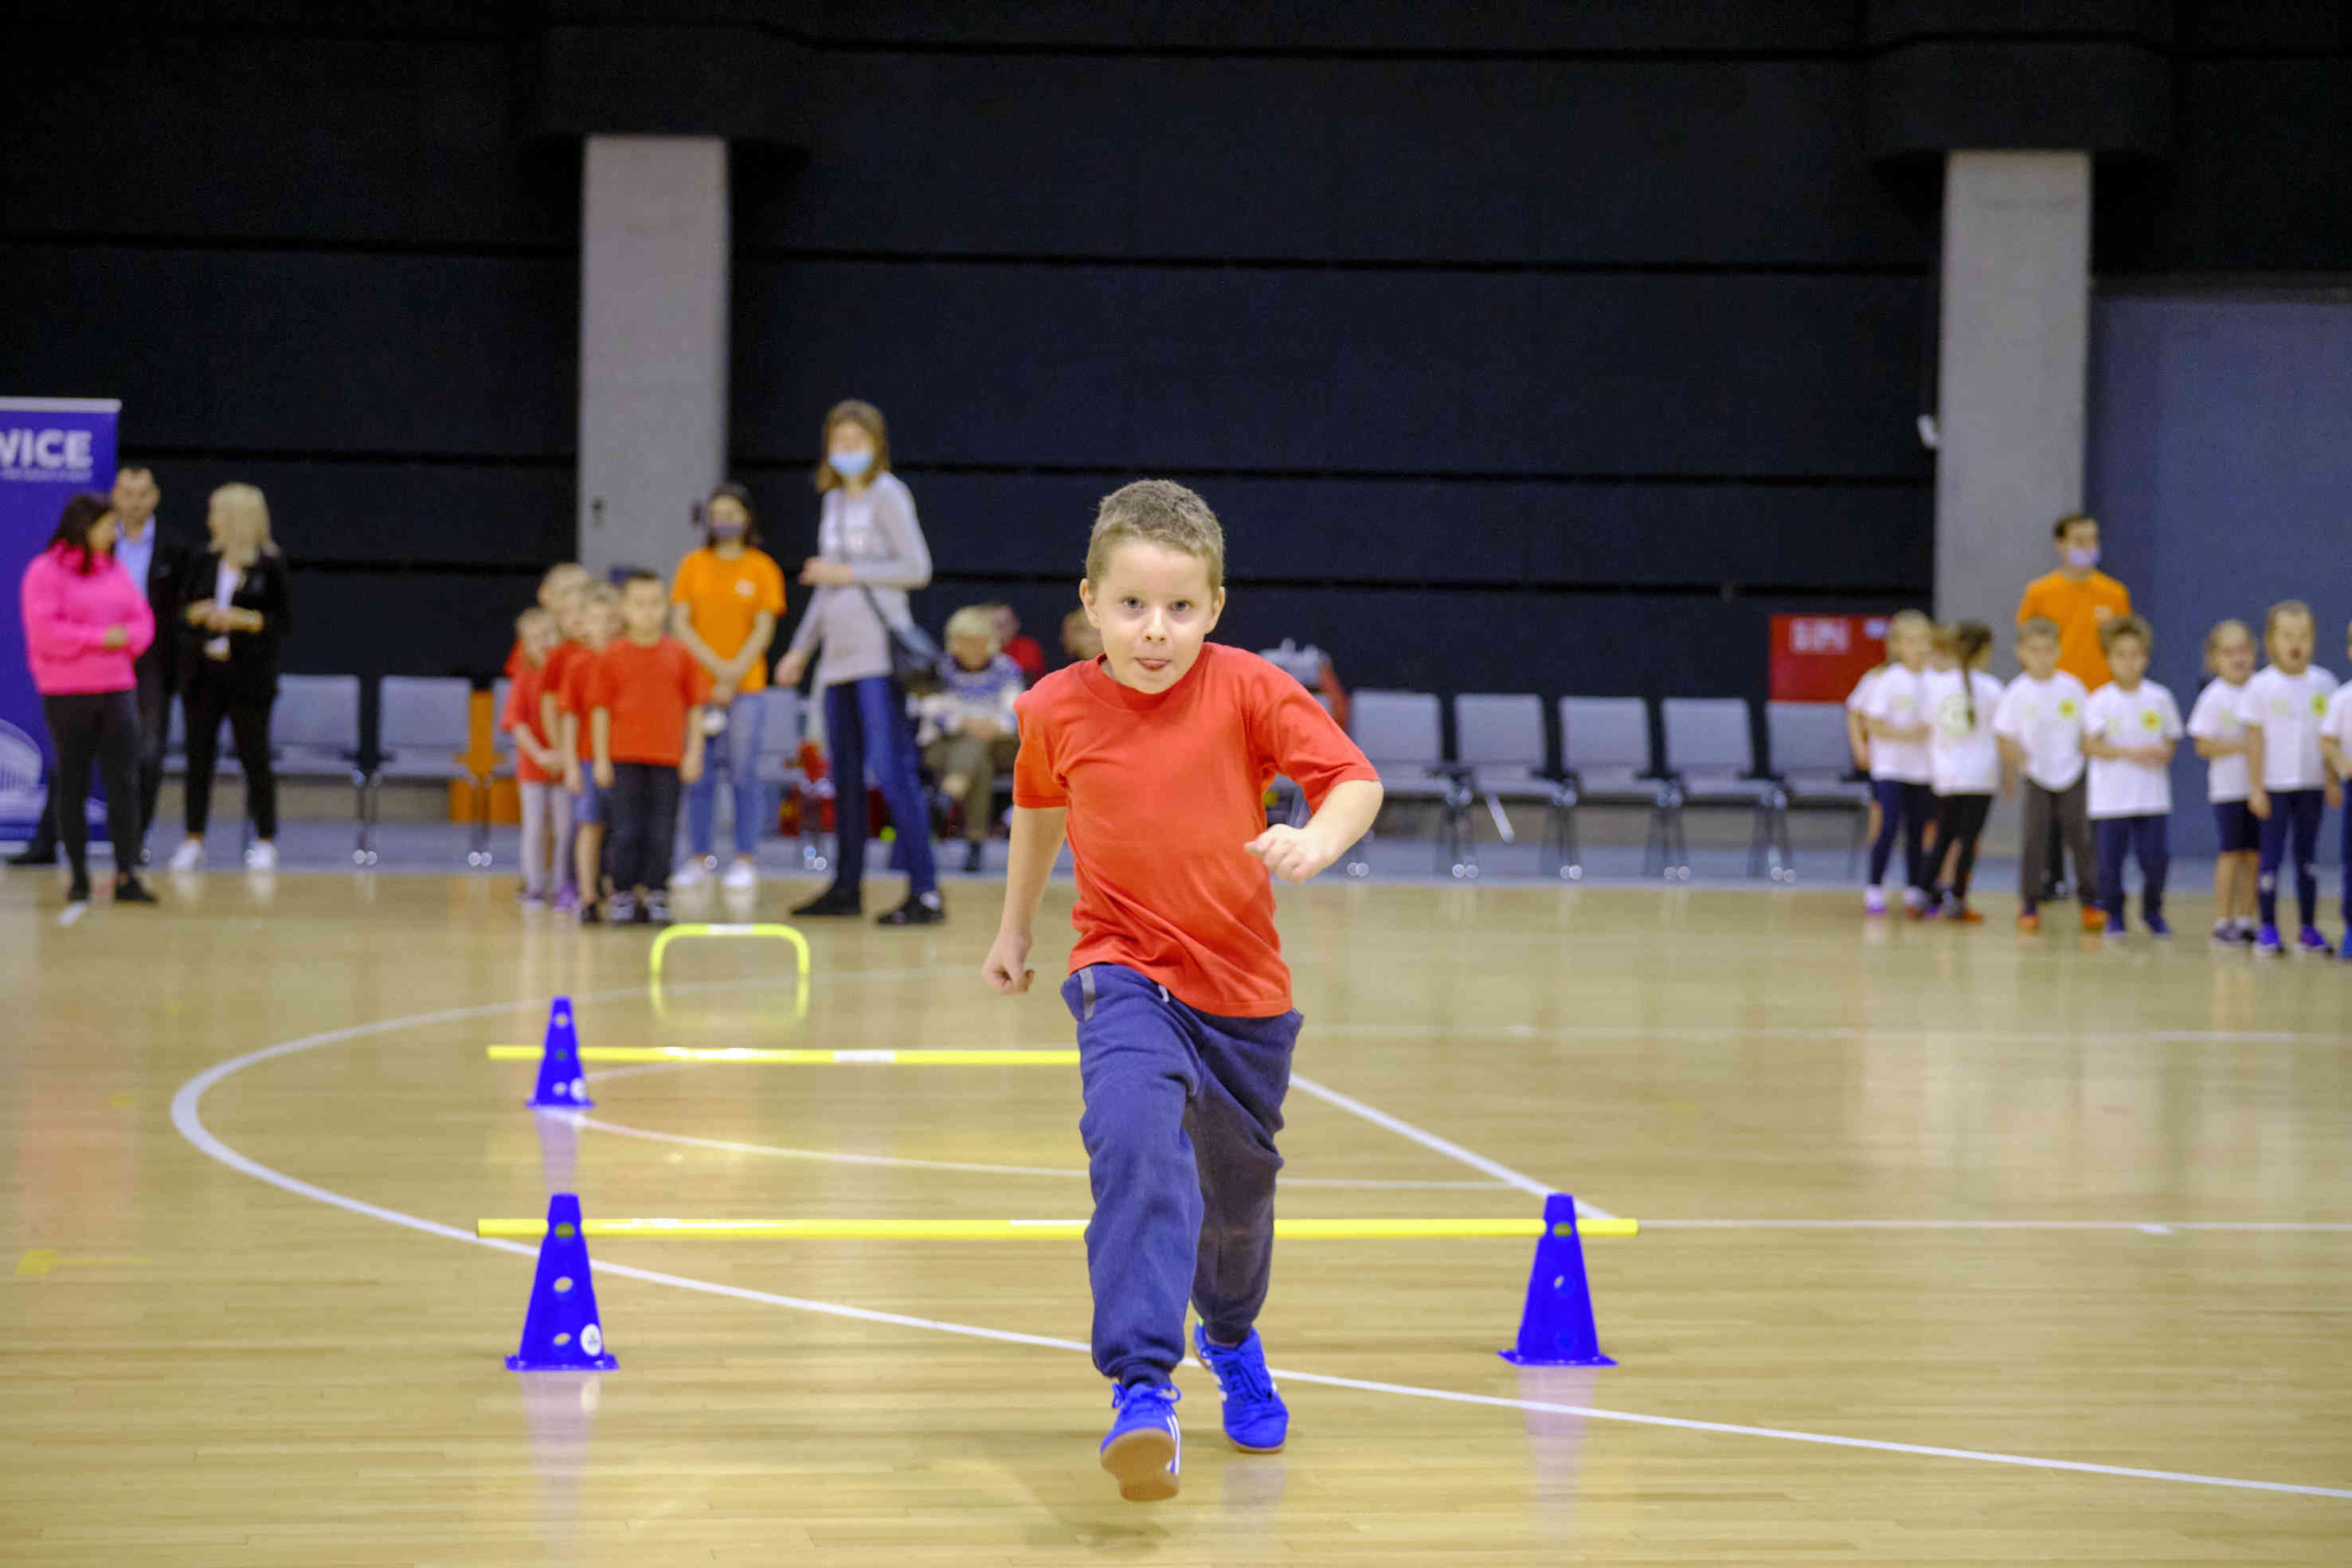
(1378, 1229)
(758, 932)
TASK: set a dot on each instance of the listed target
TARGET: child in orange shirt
(538, 766)
(1154, 763)
(643, 724)
(598, 622)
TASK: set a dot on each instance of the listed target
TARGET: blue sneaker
(1256, 1420)
(2157, 926)
(2267, 943)
(2310, 944)
(1144, 1448)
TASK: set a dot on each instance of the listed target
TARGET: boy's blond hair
(1160, 512)
(976, 620)
(534, 616)
(2125, 625)
(2287, 610)
(600, 593)
(2034, 626)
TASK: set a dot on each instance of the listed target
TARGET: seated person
(967, 730)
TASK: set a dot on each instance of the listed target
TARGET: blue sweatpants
(1181, 1107)
(2294, 813)
(2151, 845)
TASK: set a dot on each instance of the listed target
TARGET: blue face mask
(2082, 559)
(725, 530)
(850, 465)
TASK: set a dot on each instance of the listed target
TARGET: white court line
(1451, 1150)
(187, 1117)
(72, 913)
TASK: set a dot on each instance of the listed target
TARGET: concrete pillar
(653, 344)
(2015, 334)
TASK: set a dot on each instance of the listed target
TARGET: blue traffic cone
(559, 1083)
(561, 1332)
(1555, 1327)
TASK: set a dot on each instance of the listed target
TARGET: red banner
(1819, 658)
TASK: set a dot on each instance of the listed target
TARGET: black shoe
(79, 892)
(832, 901)
(590, 914)
(974, 857)
(923, 909)
(33, 854)
(130, 890)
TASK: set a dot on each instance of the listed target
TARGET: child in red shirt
(642, 703)
(597, 623)
(538, 766)
(1154, 760)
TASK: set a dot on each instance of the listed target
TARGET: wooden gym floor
(2102, 1315)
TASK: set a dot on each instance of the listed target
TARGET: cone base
(571, 1364)
(1521, 1358)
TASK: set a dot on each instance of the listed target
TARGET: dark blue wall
(1519, 344)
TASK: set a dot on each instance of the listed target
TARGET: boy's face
(643, 606)
(539, 638)
(2039, 655)
(1154, 609)
(1911, 645)
(2290, 639)
(972, 651)
(600, 621)
(2233, 657)
(2127, 661)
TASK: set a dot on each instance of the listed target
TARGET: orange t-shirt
(572, 689)
(1163, 789)
(522, 715)
(649, 688)
(2080, 609)
(725, 597)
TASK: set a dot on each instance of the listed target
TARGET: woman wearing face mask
(724, 601)
(870, 552)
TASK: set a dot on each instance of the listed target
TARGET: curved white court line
(187, 1118)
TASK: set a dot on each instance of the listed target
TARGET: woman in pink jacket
(85, 621)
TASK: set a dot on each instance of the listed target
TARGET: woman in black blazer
(232, 625)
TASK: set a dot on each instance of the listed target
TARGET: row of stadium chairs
(1502, 753)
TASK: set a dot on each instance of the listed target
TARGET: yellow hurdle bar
(778, 932)
(800, 1058)
(1400, 1229)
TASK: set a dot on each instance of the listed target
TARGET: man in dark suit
(159, 562)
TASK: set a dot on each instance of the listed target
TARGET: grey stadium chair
(1812, 763)
(1711, 761)
(1498, 739)
(425, 730)
(1400, 733)
(778, 765)
(1605, 753)
(314, 732)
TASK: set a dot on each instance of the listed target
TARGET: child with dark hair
(642, 700)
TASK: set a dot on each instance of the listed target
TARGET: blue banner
(50, 448)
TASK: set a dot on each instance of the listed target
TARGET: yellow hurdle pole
(775, 932)
(799, 1058)
(1396, 1229)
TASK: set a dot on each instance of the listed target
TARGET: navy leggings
(1903, 809)
(2294, 812)
(1181, 1107)
(2146, 839)
(866, 726)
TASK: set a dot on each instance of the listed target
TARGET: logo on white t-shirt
(2066, 707)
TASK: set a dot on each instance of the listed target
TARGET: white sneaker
(189, 856)
(693, 873)
(262, 856)
(740, 877)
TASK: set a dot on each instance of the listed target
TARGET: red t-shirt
(522, 716)
(1163, 789)
(648, 689)
(571, 681)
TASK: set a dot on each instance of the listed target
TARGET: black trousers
(154, 726)
(1963, 818)
(208, 701)
(640, 825)
(100, 727)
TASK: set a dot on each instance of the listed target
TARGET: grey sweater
(877, 536)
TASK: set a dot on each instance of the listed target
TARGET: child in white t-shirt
(2129, 729)
(1895, 714)
(2290, 787)
(1964, 759)
(2039, 725)
(2220, 737)
(2335, 751)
